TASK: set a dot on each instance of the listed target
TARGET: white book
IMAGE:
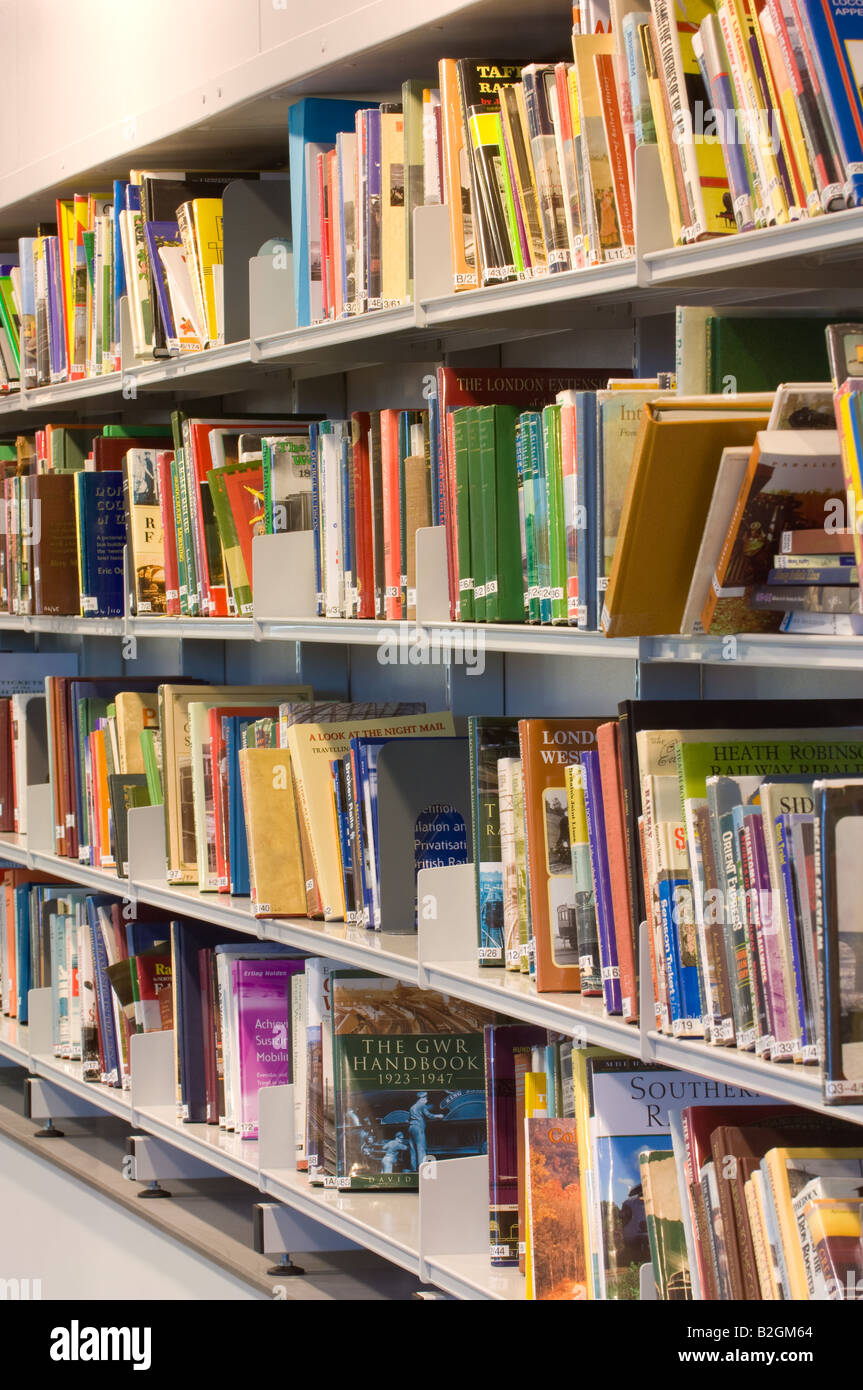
(729, 480)
(331, 518)
(190, 333)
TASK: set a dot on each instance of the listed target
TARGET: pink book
(263, 990)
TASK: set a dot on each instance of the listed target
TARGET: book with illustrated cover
(144, 531)
(264, 1031)
(548, 747)
(409, 1073)
(558, 1244)
(838, 841)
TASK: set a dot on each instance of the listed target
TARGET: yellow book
(273, 832)
(703, 162)
(393, 211)
(789, 1170)
(535, 1105)
(66, 244)
(735, 27)
(136, 710)
(174, 701)
(851, 470)
(663, 139)
(209, 248)
(785, 119)
(649, 583)
(313, 747)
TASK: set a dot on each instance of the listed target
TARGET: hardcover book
(409, 1073)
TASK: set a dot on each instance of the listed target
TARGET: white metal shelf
(835, 235)
(13, 1041)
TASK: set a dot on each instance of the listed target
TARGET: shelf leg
(153, 1190)
(285, 1266)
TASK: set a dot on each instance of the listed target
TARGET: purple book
(56, 321)
(162, 234)
(601, 881)
(263, 992)
(500, 1106)
(373, 209)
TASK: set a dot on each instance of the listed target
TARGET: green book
(502, 529)
(532, 424)
(180, 535)
(489, 739)
(70, 446)
(235, 564)
(150, 749)
(475, 505)
(462, 495)
(9, 317)
(556, 517)
(758, 354)
(508, 198)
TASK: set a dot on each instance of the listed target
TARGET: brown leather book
(56, 583)
(736, 1150)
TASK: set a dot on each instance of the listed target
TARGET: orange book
(101, 824)
(558, 1248)
(608, 743)
(615, 139)
(548, 746)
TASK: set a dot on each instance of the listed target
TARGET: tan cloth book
(313, 747)
(272, 828)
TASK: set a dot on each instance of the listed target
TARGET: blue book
(601, 881)
(56, 321)
(102, 987)
(162, 234)
(834, 38)
(585, 500)
(120, 186)
(310, 121)
(233, 728)
(345, 856)
(361, 859)
(24, 963)
(102, 536)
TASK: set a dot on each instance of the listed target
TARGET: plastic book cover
(263, 1032)
(629, 1104)
(500, 1069)
(409, 1072)
(558, 1240)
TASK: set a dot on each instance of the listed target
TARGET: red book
(7, 789)
(616, 142)
(392, 513)
(608, 743)
(164, 459)
(331, 213)
(244, 491)
(364, 561)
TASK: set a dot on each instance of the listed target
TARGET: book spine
(601, 883)
(546, 169)
(556, 514)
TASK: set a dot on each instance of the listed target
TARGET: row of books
(726, 828)
(613, 1179)
(717, 825)
(605, 1173)
(754, 107)
(547, 483)
(155, 238)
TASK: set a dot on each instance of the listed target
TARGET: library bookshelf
(619, 312)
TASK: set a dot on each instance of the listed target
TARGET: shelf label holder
(445, 902)
(453, 1209)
